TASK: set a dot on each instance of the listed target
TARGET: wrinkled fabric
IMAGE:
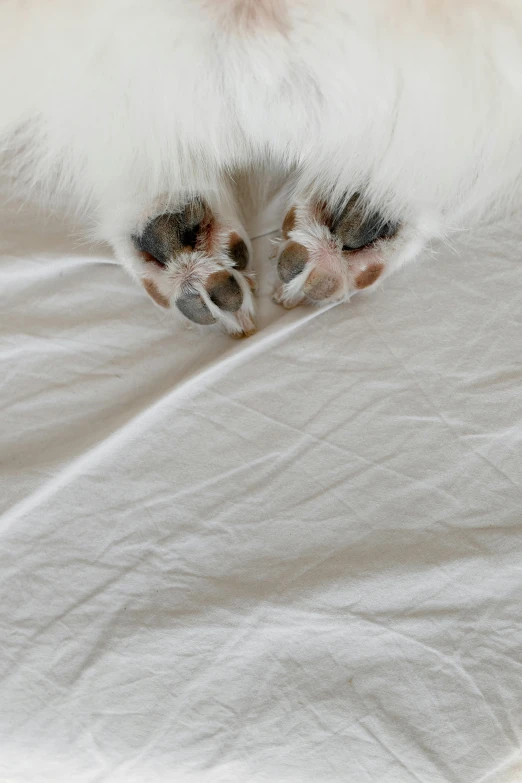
(293, 558)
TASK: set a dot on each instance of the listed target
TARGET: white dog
(397, 121)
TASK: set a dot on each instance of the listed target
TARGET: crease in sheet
(272, 335)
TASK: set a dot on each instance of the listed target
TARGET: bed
(296, 557)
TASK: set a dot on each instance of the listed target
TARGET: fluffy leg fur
(417, 104)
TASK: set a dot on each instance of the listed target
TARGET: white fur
(119, 102)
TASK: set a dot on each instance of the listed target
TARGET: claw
(246, 324)
(289, 302)
(243, 335)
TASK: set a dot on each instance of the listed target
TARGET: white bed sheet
(292, 558)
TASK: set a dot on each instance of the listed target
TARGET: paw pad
(189, 250)
(339, 251)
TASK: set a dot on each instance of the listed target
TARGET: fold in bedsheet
(294, 558)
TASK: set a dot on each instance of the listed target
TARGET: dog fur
(131, 108)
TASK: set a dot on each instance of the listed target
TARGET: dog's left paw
(197, 262)
(327, 254)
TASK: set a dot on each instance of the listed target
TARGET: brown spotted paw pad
(193, 261)
(325, 255)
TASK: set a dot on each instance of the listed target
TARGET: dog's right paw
(198, 263)
(326, 255)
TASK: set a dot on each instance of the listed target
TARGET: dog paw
(194, 261)
(328, 254)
